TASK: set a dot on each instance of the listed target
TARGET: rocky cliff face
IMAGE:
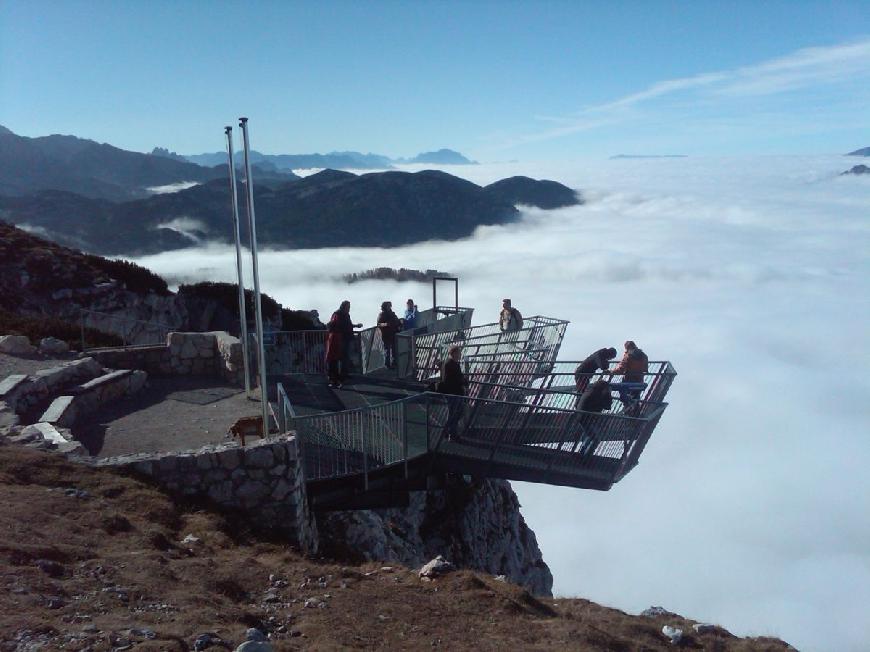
(474, 524)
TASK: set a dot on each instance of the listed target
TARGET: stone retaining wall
(90, 396)
(262, 482)
(184, 354)
(20, 392)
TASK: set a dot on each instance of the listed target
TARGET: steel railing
(304, 352)
(515, 375)
(541, 439)
(538, 342)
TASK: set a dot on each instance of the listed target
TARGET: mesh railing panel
(538, 343)
(517, 434)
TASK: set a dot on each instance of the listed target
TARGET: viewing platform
(385, 432)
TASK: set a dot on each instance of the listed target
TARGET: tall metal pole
(243, 316)
(258, 308)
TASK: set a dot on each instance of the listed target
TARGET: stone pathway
(170, 414)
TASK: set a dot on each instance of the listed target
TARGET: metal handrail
(360, 440)
(544, 334)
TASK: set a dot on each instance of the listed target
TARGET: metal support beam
(258, 307)
(243, 316)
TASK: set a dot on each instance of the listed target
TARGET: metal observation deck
(369, 445)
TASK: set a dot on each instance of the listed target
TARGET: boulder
(436, 568)
(53, 346)
(673, 633)
(16, 345)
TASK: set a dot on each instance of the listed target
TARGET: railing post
(365, 458)
(405, 436)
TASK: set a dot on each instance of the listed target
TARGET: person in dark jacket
(389, 324)
(345, 327)
(453, 384)
(594, 400)
(586, 369)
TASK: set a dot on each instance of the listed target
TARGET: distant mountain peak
(442, 156)
(864, 151)
(165, 153)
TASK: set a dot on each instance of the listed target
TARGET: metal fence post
(365, 459)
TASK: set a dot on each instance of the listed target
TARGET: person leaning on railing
(344, 327)
(633, 367)
(586, 369)
(452, 383)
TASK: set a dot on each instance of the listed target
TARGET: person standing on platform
(409, 323)
(345, 327)
(389, 324)
(453, 384)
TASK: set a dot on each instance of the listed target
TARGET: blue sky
(498, 81)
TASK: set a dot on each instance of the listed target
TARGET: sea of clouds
(750, 504)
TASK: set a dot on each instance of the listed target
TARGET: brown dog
(247, 427)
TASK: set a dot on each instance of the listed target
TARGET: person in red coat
(334, 349)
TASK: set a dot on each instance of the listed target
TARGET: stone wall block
(251, 492)
(191, 480)
(188, 350)
(205, 461)
(146, 467)
(229, 459)
(279, 470)
(221, 492)
(215, 475)
(167, 464)
(137, 381)
(282, 489)
(260, 457)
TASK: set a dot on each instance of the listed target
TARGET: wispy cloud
(805, 68)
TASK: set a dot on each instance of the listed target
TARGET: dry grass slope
(88, 555)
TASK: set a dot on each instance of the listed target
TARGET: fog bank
(749, 505)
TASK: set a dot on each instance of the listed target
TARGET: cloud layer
(751, 275)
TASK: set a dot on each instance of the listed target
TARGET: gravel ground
(168, 415)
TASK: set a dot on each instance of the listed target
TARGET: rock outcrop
(474, 524)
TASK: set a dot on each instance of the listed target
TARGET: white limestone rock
(16, 345)
(436, 568)
(476, 524)
(53, 346)
(673, 633)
